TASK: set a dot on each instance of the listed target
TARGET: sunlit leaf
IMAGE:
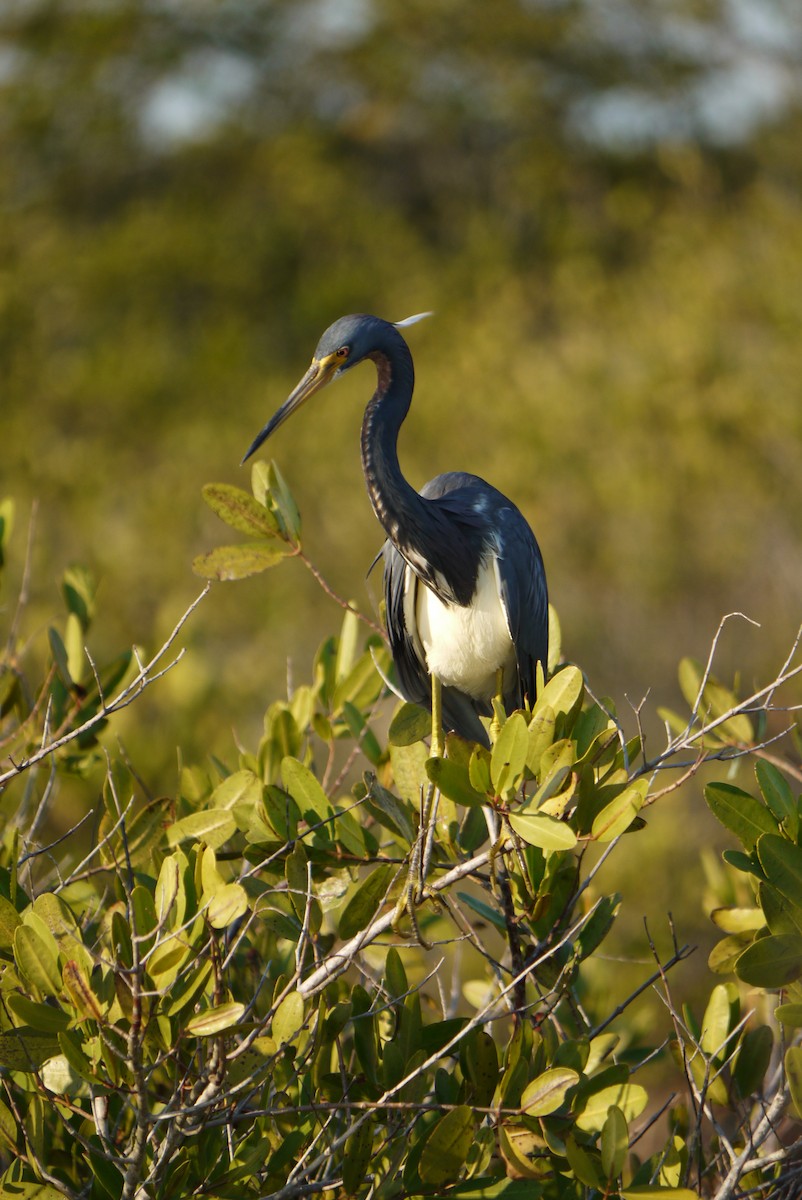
(539, 829)
(630, 1098)
(617, 816)
(215, 1020)
(547, 1093)
(288, 1018)
(508, 756)
(410, 724)
(212, 825)
(238, 561)
(563, 693)
(240, 510)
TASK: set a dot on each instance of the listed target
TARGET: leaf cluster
(233, 989)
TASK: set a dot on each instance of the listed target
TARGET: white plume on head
(412, 320)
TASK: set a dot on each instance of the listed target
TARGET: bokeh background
(601, 200)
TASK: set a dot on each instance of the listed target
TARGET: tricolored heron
(464, 583)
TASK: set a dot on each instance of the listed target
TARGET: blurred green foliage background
(600, 202)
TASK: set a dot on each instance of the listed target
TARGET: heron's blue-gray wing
(524, 596)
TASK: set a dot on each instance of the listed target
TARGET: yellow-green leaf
(618, 815)
(546, 1094)
(539, 829)
(447, 1145)
(288, 1018)
(239, 561)
(215, 1020)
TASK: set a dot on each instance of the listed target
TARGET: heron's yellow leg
(497, 838)
(438, 745)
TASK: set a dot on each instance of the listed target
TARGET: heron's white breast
(464, 647)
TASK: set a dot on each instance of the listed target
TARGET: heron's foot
(495, 851)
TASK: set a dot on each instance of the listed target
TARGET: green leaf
(614, 1142)
(226, 905)
(239, 561)
(410, 724)
(479, 770)
(539, 829)
(167, 886)
(366, 901)
(616, 817)
(752, 1061)
(723, 956)
(546, 1094)
(716, 1022)
(286, 509)
(9, 920)
(215, 1020)
(29, 1190)
(484, 910)
(789, 1014)
(556, 764)
(409, 770)
(347, 644)
(651, 1191)
(59, 655)
(288, 1018)
(357, 1157)
(305, 790)
(738, 920)
(508, 757)
(453, 780)
(541, 736)
(37, 960)
(793, 1071)
(43, 1017)
(481, 1062)
(214, 826)
(739, 812)
(583, 1165)
(779, 913)
(595, 930)
(78, 588)
(388, 810)
(631, 1098)
(60, 1079)
(563, 693)
(363, 683)
(771, 962)
(782, 864)
(240, 789)
(776, 790)
(395, 977)
(25, 1049)
(240, 510)
(447, 1145)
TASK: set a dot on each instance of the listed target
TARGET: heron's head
(344, 344)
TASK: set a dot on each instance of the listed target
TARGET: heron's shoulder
(476, 491)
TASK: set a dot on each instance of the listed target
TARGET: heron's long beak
(320, 373)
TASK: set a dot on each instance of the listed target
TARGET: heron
(466, 601)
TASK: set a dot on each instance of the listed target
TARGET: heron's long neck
(393, 500)
(414, 525)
